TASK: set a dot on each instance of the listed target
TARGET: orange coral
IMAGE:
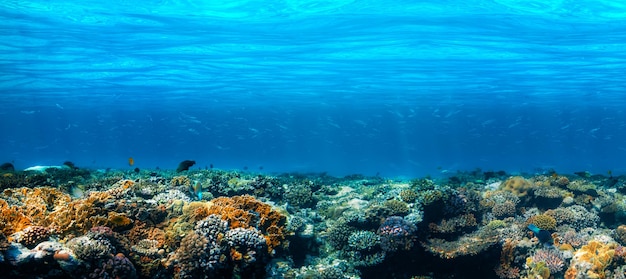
(29, 206)
(141, 231)
(117, 220)
(571, 273)
(245, 211)
(79, 216)
(592, 260)
(12, 219)
(235, 255)
(49, 207)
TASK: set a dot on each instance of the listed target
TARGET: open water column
(312, 139)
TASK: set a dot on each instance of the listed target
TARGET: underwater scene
(313, 139)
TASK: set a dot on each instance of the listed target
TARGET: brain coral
(517, 185)
(542, 221)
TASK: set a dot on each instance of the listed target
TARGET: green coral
(299, 196)
(581, 186)
(396, 207)
(422, 184)
(337, 236)
(408, 195)
(363, 240)
(496, 224)
(538, 270)
(430, 196)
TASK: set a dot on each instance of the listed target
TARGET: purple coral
(117, 266)
(551, 257)
(396, 233)
(455, 204)
(246, 245)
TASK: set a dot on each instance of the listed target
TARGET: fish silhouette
(185, 165)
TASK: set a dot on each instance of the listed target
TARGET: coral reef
(75, 223)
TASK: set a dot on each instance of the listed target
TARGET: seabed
(71, 222)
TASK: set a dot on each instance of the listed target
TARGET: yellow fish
(131, 161)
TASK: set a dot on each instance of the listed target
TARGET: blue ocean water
(395, 88)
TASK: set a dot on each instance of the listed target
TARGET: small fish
(196, 190)
(545, 237)
(131, 161)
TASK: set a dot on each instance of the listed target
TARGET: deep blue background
(396, 88)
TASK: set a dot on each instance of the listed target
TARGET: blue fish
(545, 237)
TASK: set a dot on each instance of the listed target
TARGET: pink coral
(551, 257)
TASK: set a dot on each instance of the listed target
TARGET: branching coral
(552, 258)
(507, 256)
(454, 225)
(408, 195)
(469, 244)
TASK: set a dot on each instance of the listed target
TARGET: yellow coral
(180, 181)
(542, 221)
(517, 185)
